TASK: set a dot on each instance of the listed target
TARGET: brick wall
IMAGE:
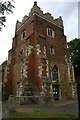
(35, 62)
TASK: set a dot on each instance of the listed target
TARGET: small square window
(65, 58)
(23, 35)
(51, 50)
(21, 51)
(50, 32)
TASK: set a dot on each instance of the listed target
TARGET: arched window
(55, 73)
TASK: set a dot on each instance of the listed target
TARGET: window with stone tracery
(55, 73)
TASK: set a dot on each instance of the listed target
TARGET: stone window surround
(21, 50)
(52, 50)
(66, 58)
(52, 76)
(23, 34)
(50, 32)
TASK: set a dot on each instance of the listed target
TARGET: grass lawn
(38, 114)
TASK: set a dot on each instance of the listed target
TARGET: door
(56, 92)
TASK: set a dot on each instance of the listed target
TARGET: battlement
(37, 10)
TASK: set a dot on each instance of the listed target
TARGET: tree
(74, 49)
(5, 8)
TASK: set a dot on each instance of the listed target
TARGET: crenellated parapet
(47, 15)
(24, 18)
(36, 10)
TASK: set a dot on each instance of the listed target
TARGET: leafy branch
(5, 8)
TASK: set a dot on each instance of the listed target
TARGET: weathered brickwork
(39, 56)
(4, 77)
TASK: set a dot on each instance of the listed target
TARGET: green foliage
(74, 49)
(70, 115)
(5, 8)
(36, 110)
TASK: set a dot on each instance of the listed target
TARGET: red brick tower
(39, 56)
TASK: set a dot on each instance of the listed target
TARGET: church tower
(39, 62)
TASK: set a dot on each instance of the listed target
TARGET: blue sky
(67, 9)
